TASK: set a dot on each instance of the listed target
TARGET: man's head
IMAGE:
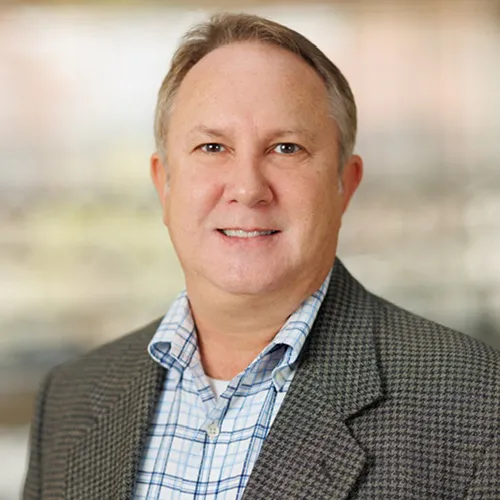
(248, 165)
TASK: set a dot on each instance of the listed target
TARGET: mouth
(242, 233)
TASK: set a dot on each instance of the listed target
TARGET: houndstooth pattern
(385, 405)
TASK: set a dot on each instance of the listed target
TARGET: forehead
(252, 81)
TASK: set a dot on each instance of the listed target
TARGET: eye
(212, 147)
(287, 148)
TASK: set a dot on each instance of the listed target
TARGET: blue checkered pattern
(201, 447)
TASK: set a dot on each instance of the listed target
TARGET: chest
(203, 446)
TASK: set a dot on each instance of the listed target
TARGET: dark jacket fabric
(384, 405)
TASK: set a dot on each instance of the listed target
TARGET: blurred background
(84, 255)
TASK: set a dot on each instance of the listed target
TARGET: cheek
(317, 198)
(318, 216)
(191, 200)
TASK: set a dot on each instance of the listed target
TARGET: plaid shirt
(201, 447)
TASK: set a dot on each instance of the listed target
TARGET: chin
(246, 286)
(249, 283)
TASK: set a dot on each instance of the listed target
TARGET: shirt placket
(210, 430)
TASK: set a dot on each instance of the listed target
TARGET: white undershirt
(218, 386)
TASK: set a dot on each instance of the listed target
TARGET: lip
(251, 241)
(247, 230)
(269, 232)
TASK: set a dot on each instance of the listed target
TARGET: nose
(247, 182)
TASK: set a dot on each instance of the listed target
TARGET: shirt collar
(174, 345)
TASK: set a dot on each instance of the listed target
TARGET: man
(275, 375)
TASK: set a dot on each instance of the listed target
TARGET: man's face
(253, 203)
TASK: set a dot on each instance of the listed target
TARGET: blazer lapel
(310, 452)
(103, 462)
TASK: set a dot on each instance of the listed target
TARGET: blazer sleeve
(486, 482)
(33, 481)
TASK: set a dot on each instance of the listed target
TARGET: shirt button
(212, 430)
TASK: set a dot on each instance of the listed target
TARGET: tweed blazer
(384, 405)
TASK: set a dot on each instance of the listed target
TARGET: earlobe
(351, 178)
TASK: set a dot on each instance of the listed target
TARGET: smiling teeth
(239, 233)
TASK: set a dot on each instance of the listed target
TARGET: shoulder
(82, 375)
(404, 340)
(397, 328)
(427, 358)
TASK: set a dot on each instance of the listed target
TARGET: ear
(159, 177)
(351, 179)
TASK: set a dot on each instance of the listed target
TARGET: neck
(234, 329)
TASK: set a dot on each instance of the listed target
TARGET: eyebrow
(212, 132)
(219, 133)
(297, 131)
